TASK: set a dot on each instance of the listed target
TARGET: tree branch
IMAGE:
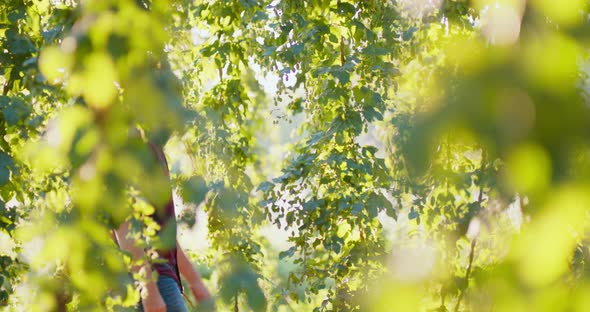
(467, 274)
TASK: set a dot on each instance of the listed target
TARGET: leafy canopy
(414, 155)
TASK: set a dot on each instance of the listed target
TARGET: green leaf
(254, 295)
(374, 50)
(409, 33)
(259, 16)
(4, 298)
(343, 76)
(16, 14)
(166, 237)
(314, 204)
(194, 190)
(4, 175)
(265, 186)
(19, 44)
(336, 247)
(287, 253)
(297, 48)
(268, 51)
(369, 151)
(357, 208)
(15, 111)
(345, 7)
(333, 38)
(35, 122)
(316, 138)
(290, 217)
(371, 114)
(6, 160)
(10, 116)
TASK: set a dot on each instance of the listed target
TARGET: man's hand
(192, 276)
(198, 288)
(199, 291)
(150, 297)
(152, 301)
(207, 305)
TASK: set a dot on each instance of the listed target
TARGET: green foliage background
(417, 155)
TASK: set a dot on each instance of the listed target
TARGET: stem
(192, 157)
(481, 176)
(342, 57)
(236, 308)
(474, 241)
(5, 147)
(7, 83)
(471, 256)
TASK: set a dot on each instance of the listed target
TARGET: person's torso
(165, 217)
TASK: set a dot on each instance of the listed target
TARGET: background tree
(416, 155)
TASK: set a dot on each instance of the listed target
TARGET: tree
(474, 111)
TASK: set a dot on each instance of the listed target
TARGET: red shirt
(166, 217)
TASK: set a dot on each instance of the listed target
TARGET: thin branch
(474, 241)
(467, 274)
(7, 84)
(342, 56)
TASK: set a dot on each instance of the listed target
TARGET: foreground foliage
(438, 157)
